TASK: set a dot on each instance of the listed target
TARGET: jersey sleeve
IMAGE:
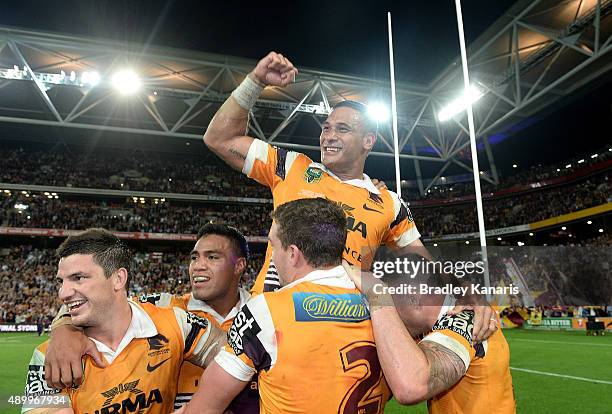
(163, 300)
(251, 345)
(266, 164)
(402, 230)
(454, 332)
(202, 339)
(36, 386)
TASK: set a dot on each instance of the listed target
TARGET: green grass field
(576, 362)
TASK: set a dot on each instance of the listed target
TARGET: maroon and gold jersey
(374, 217)
(142, 374)
(486, 386)
(189, 378)
(312, 344)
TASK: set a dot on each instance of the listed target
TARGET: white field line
(552, 374)
(556, 342)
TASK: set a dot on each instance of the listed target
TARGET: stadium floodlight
(589, 222)
(531, 234)
(435, 244)
(20, 206)
(467, 242)
(126, 82)
(563, 228)
(514, 166)
(580, 161)
(568, 166)
(378, 111)
(558, 169)
(594, 156)
(600, 230)
(499, 239)
(520, 243)
(471, 96)
(90, 78)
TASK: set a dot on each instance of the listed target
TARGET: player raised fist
(274, 70)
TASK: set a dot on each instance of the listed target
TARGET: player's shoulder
(41, 349)
(461, 324)
(165, 300)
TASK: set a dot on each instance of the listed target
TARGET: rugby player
(217, 262)
(310, 341)
(374, 216)
(447, 368)
(143, 345)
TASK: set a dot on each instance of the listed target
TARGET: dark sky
(343, 36)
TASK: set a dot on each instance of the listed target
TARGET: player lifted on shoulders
(374, 217)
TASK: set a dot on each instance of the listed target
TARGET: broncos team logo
(157, 342)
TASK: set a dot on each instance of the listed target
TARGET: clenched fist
(274, 70)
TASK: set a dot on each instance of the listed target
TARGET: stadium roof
(535, 55)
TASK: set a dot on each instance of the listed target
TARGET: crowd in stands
(564, 275)
(515, 210)
(29, 290)
(119, 171)
(253, 219)
(204, 174)
(534, 174)
(163, 217)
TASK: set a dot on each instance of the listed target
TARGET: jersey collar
(141, 326)
(199, 305)
(366, 182)
(336, 277)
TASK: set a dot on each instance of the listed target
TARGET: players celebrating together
(306, 331)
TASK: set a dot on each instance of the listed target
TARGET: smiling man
(216, 264)
(143, 345)
(374, 216)
(310, 341)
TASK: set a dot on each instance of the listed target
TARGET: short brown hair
(108, 251)
(316, 226)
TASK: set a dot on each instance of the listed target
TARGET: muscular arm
(414, 372)
(216, 390)
(225, 135)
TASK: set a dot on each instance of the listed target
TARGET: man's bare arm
(226, 133)
(216, 390)
(445, 367)
(414, 372)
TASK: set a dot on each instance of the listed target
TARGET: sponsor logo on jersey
(365, 207)
(315, 307)
(313, 175)
(351, 223)
(153, 367)
(129, 387)
(358, 226)
(194, 319)
(135, 402)
(461, 324)
(243, 329)
(150, 298)
(36, 384)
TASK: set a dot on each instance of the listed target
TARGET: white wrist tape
(247, 93)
